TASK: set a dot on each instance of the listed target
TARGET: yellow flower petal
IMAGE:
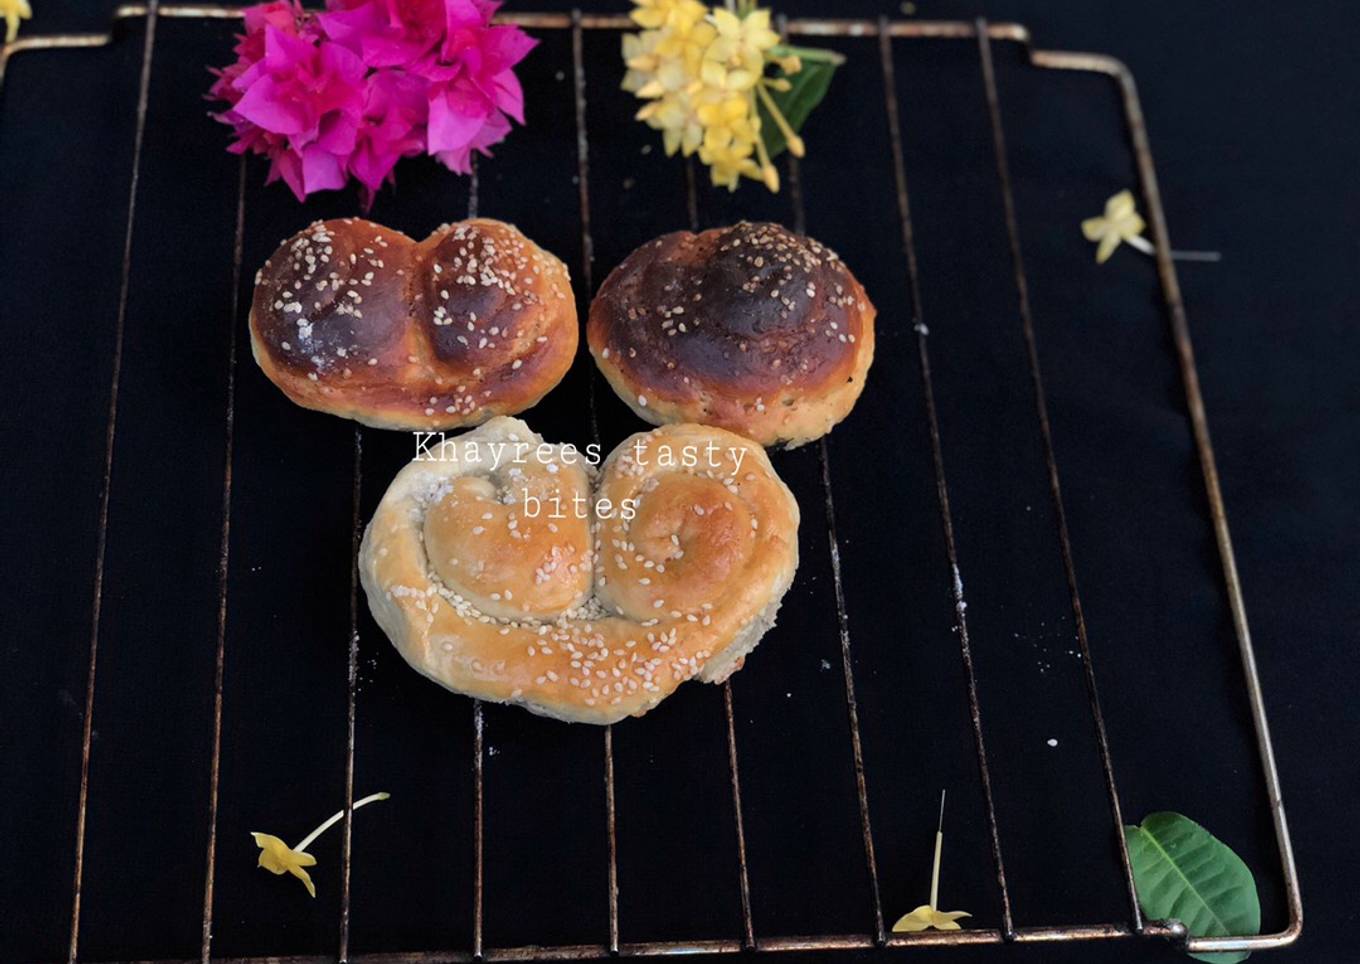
(713, 73)
(926, 917)
(740, 80)
(14, 11)
(306, 879)
(1095, 228)
(1119, 206)
(727, 22)
(1108, 244)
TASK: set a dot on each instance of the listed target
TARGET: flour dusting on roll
(513, 570)
(752, 328)
(358, 320)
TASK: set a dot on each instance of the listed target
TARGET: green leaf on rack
(1183, 872)
(807, 88)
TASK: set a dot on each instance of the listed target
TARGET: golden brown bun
(357, 320)
(582, 619)
(751, 328)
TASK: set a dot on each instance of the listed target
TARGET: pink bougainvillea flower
(349, 91)
(473, 87)
(300, 85)
(393, 128)
(385, 33)
(492, 133)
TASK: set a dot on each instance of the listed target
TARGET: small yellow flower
(279, 858)
(729, 160)
(723, 113)
(653, 14)
(639, 53)
(1121, 223)
(742, 41)
(14, 11)
(926, 917)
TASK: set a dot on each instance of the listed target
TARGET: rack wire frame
(983, 34)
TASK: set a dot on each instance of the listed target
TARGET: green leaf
(1183, 872)
(809, 86)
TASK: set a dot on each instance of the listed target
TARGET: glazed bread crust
(580, 619)
(751, 328)
(358, 320)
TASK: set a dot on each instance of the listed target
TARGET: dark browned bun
(357, 320)
(751, 328)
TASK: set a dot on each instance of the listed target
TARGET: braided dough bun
(582, 619)
(752, 328)
(357, 320)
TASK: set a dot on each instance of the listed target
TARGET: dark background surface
(1251, 110)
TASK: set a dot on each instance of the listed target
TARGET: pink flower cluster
(349, 91)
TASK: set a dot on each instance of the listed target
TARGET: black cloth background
(1252, 112)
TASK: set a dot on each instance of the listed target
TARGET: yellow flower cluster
(701, 71)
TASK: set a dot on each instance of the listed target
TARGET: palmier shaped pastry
(357, 320)
(513, 570)
(751, 328)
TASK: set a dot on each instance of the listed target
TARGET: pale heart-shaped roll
(512, 570)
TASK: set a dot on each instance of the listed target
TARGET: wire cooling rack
(982, 36)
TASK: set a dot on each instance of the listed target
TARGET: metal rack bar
(1054, 484)
(478, 824)
(842, 611)
(578, 74)
(734, 771)
(478, 717)
(223, 567)
(744, 878)
(352, 685)
(106, 482)
(587, 274)
(983, 34)
(937, 459)
(1180, 329)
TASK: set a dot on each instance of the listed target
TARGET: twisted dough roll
(571, 606)
(752, 328)
(357, 320)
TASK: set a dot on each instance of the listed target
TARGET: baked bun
(358, 320)
(498, 569)
(751, 328)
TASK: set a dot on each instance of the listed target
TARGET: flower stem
(808, 53)
(1146, 246)
(768, 174)
(935, 870)
(335, 818)
(1141, 243)
(794, 142)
